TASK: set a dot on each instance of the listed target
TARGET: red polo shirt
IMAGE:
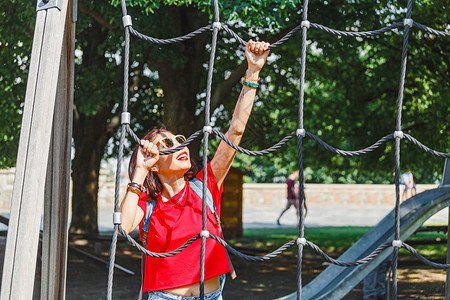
(172, 224)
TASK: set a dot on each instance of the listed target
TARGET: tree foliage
(351, 93)
(350, 96)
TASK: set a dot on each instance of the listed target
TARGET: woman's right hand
(147, 155)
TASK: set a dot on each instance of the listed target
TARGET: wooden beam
(56, 201)
(28, 192)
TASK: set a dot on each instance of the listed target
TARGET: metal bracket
(47, 4)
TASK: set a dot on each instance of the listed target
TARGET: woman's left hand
(256, 53)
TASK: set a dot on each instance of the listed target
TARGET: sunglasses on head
(168, 142)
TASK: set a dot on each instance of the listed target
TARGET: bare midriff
(192, 290)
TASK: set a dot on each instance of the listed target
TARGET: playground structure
(49, 97)
(335, 282)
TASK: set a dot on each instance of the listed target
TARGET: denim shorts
(161, 295)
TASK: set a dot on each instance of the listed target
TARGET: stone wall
(263, 194)
(271, 194)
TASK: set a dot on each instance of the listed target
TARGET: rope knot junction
(207, 129)
(397, 243)
(301, 132)
(398, 134)
(301, 241)
(127, 21)
(306, 24)
(117, 218)
(125, 118)
(408, 22)
(204, 234)
(217, 25)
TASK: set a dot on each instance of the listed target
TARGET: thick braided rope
(253, 153)
(112, 256)
(301, 226)
(423, 259)
(234, 35)
(138, 246)
(304, 26)
(398, 128)
(353, 152)
(357, 33)
(394, 266)
(425, 148)
(171, 40)
(251, 257)
(280, 250)
(283, 141)
(346, 33)
(205, 144)
(431, 30)
(113, 247)
(358, 262)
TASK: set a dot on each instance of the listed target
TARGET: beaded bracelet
(250, 84)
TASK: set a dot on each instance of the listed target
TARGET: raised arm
(256, 57)
(145, 160)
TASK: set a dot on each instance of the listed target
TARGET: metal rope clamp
(409, 22)
(305, 24)
(301, 131)
(127, 21)
(217, 25)
(125, 118)
(398, 134)
(397, 243)
(207, 129)
(117, 218)
(48, 4)
(301, 241)
(204, 234)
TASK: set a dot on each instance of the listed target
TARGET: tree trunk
(182, 82)
(90, 134)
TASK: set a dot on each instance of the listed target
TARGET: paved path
(318, 216)
(327, 216)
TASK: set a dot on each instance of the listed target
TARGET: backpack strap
(146, 222)
(145, 226)
(197, 186)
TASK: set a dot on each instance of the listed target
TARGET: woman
(177, 215)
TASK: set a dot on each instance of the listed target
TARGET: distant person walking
(407, 179)
(292, 196)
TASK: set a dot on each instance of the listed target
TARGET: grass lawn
(332, 239)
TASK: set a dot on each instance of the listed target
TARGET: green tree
(350, 93)
(16, 37)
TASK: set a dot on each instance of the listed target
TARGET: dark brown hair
(152, 182)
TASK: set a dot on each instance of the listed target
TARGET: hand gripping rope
(300, 133)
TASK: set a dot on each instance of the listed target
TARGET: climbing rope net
(300, 134)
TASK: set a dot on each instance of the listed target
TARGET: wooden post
(56, 205)
(32, 159)
(231, 205)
